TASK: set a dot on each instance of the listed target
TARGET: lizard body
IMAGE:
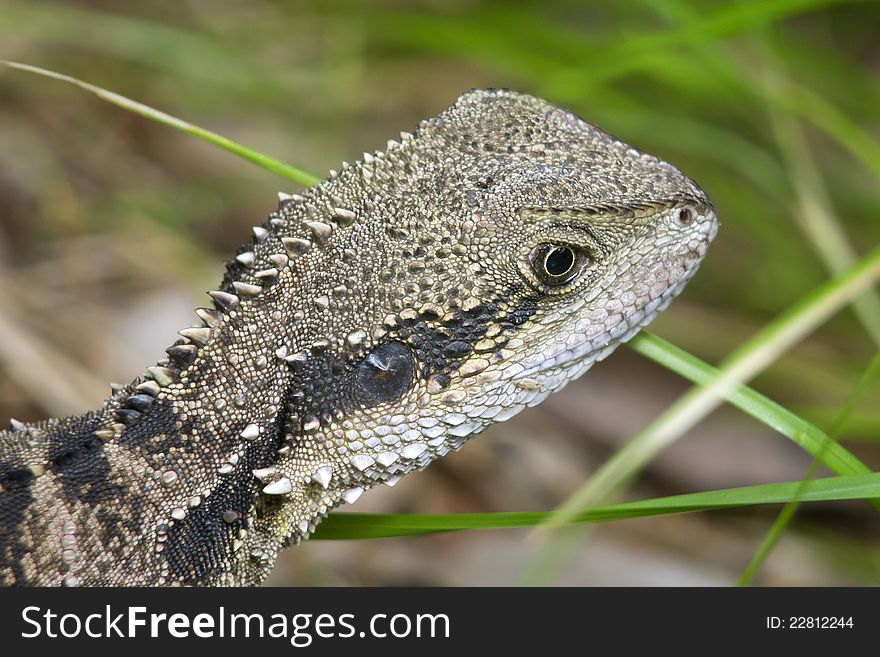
(371, 325)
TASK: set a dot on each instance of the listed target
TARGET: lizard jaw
(582, 353)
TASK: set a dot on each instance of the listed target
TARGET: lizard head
(389, 314)
(573, 242)
(503, 249)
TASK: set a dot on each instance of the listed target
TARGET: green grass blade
(634, 53)
(346, 526)
(229, 64)
(554, 55)
(261, 160)
(825, 116)
(788, 511)
(814, 210)
(815, 213)
(805, 434)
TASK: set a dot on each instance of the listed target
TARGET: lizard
(372, 324)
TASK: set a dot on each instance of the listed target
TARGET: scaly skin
(370, 326)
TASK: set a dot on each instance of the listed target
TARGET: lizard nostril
(684, 216)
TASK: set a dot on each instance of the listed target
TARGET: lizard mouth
(581, 355)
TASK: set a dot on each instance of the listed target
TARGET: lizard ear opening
(385, 375)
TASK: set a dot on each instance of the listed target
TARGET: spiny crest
(256, 267)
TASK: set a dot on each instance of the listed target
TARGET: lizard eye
(557, 264)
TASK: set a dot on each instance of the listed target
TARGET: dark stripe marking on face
(17, 499)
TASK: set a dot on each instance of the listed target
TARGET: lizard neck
(218, 416)
(187, 452)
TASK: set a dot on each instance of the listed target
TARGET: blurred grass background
(112, 227)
